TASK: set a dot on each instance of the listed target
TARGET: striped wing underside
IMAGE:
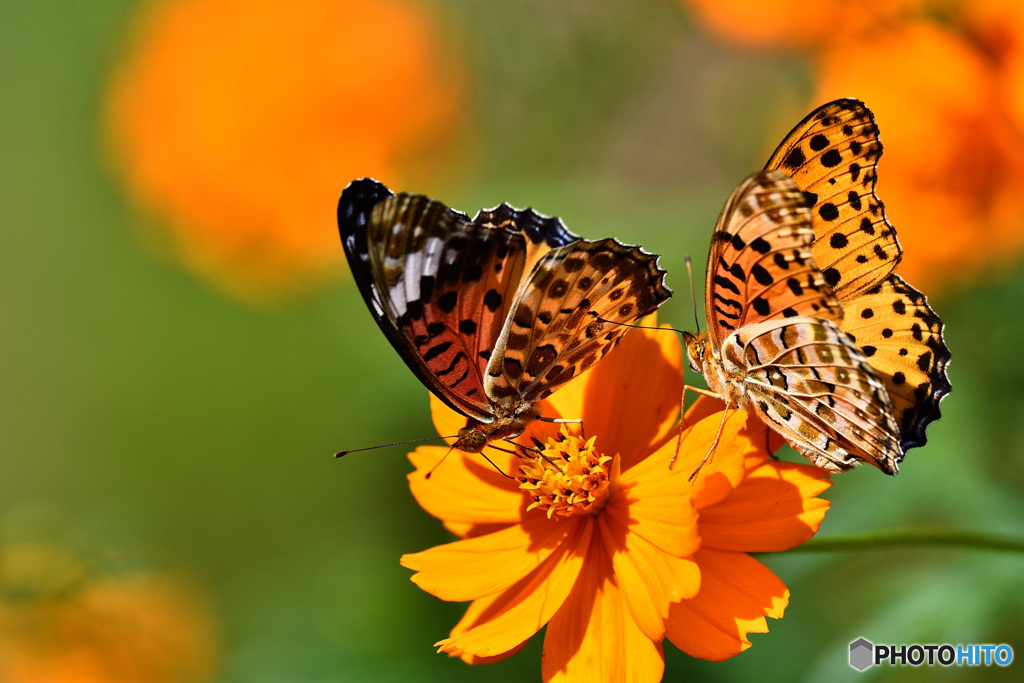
(759, 265)
(572, 309)
(774, 320)
(808, 380)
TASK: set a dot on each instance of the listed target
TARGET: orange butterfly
(807, 323)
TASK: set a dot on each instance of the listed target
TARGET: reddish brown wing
(439, 285)
(760, 266)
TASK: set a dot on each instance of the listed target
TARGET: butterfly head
(471, 440)
(696, 346)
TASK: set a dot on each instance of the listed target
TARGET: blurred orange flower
(239, 121)
(604, 544)
(946, 83)
(783, 25)
(953, 164)
(60, 622)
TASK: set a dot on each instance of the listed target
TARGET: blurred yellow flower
(600, 541)
(239, 121)
(61, 621)
(946, 83)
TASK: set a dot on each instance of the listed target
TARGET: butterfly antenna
(438, 464)
(638, 327)
(341, 454)
(693, 292)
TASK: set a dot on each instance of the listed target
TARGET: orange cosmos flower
(781, 24)
(61, 620)
(604, 544)
(239, 121)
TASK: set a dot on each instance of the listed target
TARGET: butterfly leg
(531, 449)
(565, 421)
(714, 445)
(767, 443)
(682, 416)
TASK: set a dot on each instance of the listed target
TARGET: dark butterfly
(496, 312)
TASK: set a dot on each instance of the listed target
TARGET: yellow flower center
(568, 478)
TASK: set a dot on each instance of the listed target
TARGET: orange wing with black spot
(773, 325)
(901, 336)
(832, 155)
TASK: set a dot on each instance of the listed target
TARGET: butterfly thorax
(723, 378)
(475, 435)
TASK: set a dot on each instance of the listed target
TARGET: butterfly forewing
(443, 286)
(901, 336)
(808, 379)
(833, 155)
(760, 265)
(573, 308)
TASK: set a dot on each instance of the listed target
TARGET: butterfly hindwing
(807, 378)
(574, 307)
(760, 265)
(832, 155)
(542, 232)
(901, 336)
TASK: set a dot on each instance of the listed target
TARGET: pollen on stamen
(570, 478)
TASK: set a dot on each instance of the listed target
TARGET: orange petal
(632, 399)
(736, 593)
(447, 422)
(593, 636)
(475, 567)
(649, 578)
(655, 502)
(702, 407)
(465, 488)
(473, 530)
(775, 508)
(475, 660)
(497, 624)
(724, 468)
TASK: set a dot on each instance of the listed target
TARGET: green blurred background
(145, 415)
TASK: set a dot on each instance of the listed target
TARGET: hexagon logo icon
(862, 654)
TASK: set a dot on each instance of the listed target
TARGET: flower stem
(902, 538)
